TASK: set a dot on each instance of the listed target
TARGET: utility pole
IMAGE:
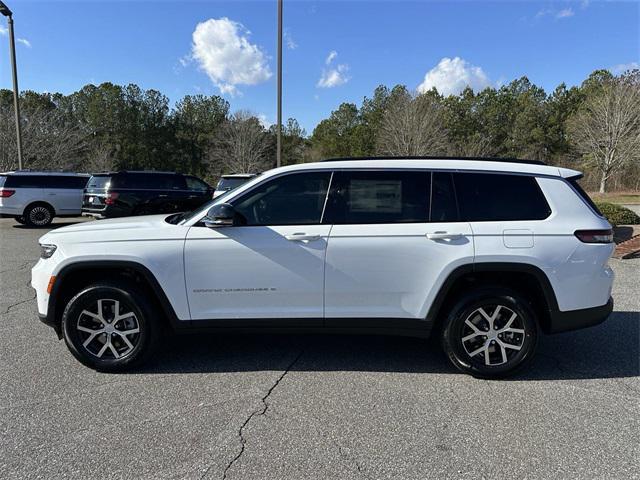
(4, 10)
(279, 128)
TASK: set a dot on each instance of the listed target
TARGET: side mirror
(221, 215)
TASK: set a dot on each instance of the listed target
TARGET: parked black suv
(125, 193)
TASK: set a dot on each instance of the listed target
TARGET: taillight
(111, 198)
(595, 236)
(6, 193)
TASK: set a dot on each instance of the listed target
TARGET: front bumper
(577, 319)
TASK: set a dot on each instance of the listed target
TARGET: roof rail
(484, 159)
(145, 171)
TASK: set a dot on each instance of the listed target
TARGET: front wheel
(109, 327)
(21, 220)
(490, 333)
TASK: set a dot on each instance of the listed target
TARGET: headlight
(47, 250)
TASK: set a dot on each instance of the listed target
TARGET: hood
(111, 229)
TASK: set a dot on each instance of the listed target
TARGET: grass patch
(628, 198)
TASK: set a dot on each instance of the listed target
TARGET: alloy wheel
(112, 331)
(493, 335)
(40, 215)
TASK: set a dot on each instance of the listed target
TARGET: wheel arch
(72, 277)
(39, 202)
(523, 278)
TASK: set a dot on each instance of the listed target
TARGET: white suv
(484, 253)
(35, 198)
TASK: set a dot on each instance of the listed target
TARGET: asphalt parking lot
(293, 407)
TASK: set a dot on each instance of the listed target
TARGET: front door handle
(302, 237)
(444, 236)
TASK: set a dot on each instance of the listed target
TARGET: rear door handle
(444, 236)
(163, 196)
(302, 237)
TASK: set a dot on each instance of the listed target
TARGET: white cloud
(332, 76)
(264, 121)
(623, 67)
(558, 14)
(222, 49)
(331, 57)
(289, 41)
(565, 13)
(452, 75)
(4, 32)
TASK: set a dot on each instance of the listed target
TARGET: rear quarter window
(26, 181)
(486, 197)
(585, 196)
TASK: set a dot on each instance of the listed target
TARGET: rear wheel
(109, 328)
(38, 215)
(490, 333)
(21, 220)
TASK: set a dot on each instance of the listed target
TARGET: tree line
(594, 127)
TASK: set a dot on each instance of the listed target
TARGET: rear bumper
(577, 319)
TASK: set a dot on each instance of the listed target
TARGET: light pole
(279, 128)
(4, 10)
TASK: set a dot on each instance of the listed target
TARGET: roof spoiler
(570, 174)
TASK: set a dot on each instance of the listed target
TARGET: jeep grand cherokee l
(484, 254)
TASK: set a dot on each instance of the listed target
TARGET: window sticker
(380, 196)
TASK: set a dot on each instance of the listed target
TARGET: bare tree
(241, 145)
(606, 131)
(412, 126)
(50, 141)
(475, 145)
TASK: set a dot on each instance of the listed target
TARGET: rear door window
(359, 197)
(68, 182)
(194, 183)
(486, 197)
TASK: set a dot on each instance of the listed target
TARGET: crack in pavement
(344, 454)
(22, 266)
(255, 413)
(13, 305)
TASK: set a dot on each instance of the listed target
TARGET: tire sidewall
(452, 333)
(87, 298)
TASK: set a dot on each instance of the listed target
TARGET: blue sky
(152, 43)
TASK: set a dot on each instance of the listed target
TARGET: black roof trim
(117, 172)
(484, 159)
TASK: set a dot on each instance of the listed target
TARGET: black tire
(21, 220)
(100, 352)
(470, 355)
(38, 215)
